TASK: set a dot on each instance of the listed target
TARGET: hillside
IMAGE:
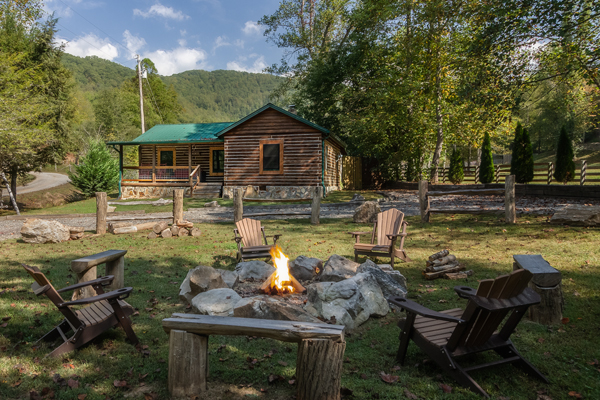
(206, 96)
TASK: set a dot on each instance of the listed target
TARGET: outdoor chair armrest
(103, 280)
(465, 292)
(275, 238)
(527, 298)
(415, 308)
(238, 239)
(359, 233)
(392, 237)
(105, 296)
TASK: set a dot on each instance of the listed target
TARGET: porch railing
(155, 174)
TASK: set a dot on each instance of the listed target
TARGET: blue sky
(176, 35)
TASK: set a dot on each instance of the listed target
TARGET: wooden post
(188, 363)
(497, 174)
(101, 209)
(424, 201)
(582, 172)
(315, 209)
(177, 205)
(476, 174)
(238, 205)
(509, 200)
(319, 369)
(153, 163)
(190, 167)
(116, 268)
(550, 172)
(88, 291)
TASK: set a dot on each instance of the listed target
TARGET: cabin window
(271, 157)
(217, 161)
(166, 157)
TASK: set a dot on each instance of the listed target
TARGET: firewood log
(435, 275)
(441, 261)
(439, 254)
(175, 230)
(114, 225)
(159, 227)
(76, 229)
(145, 225)
(185, 224)
(195, 232)
(183, 232)
(166, 233)
(125, 229)
(152, 235)
(458, 275)
(438, 268)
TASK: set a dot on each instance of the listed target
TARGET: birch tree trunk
(440, 128)
(10, 193)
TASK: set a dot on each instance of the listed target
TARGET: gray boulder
(338, 268)
(231, 278)
(44, 231)
(389, 287)
(357, 198)
(349, 302)
(395, 275)
(366, 212)
(270, 307)
(304, 268)
(216, 302)
(198, 280)
(255, 269)
(212, 204)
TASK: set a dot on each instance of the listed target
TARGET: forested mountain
(206, 96)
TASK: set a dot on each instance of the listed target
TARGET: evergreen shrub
(98, 171)
(521, 165)
(486, 168)
(565, 167)
(456, 173)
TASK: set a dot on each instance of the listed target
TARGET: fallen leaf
(410, 395)
(81, 396)
(565, 320)
(445, 388)
(541, 340)
(573, 393)
(388, 378)
(282, 363)
(364, 376)
(73, 384)
(119, 383)
(150, 396)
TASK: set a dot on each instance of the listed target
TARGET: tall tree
(565, 167)
(486, 166)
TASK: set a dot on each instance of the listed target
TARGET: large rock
(304, 268)
(44, 231)
(198, 280)
(231, 278)
(367, 212)
(349, 302)
(338, 268)
(216, 302)
(395, 275)
(270, 307)
(255, 269)
(389, 287)
(577, 215)
(212, 204)
(357, 198)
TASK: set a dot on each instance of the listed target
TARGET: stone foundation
(151, 192)
(272, 192)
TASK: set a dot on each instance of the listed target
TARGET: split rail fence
(542, 173)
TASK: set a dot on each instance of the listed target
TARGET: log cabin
(270, 153)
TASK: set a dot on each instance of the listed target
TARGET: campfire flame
(281, 282)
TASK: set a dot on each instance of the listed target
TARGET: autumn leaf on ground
(119, 383)
(445, 388)
(283, 363)
(573, 393)
(410, 395)
(363, 376)
(388, 378)
(150, 396)
(73, 384)
(565, 320)
(81, 396)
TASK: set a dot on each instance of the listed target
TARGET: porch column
(190, 165)
(120, 168)
(154, 163)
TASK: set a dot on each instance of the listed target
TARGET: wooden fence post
(550, 172)
(315, 208)
(424, 201)
(177, 205)
(497, 174)
(476, 178)
(582, 172)
(101, 209)
(238, 205)
(509, 200)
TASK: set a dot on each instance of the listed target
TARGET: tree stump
(160, 226)
(238, 205)
(101, 208)
(188, 363)
(319, 369)
(177, 205)
(424, 201)
(195, 232)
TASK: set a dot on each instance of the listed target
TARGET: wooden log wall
(200, 156)
(332, 172)
(301, 151)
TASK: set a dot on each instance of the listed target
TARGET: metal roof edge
(218, 140)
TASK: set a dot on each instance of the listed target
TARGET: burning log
(281, 281)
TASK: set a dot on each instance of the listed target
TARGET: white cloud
(182, 32)
(133, 43)
(182, 42)
(239, 43)
(91, 45)
(252, 28)
(169, 62)
(257, 66)
(158, 10)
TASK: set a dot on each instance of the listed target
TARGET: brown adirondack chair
(446, 335)
(104, 311)
(386, 230)
(248, 239)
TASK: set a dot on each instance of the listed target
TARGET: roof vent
(292, 109)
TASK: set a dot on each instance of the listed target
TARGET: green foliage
(98, 170)
(486, 169)
(456, 173)
(565, 167)
(521, 165)
(94, 74)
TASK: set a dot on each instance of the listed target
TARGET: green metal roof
(180, 133)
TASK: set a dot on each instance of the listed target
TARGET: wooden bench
(547, 282)
(318, 367)
(86, 270)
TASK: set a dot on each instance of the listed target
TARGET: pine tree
(97, 172)
(521, 165)
(456, 173)
(486, 169)
(516, 154)
(565, 167)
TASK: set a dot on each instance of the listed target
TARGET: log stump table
(320, 352)
(547, 282)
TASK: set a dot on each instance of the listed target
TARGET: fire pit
(281, 281)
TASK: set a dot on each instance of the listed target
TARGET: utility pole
(139, 63)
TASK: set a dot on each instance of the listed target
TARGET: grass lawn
(566, 354)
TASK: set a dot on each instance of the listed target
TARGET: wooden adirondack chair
(386, 230)
(446, 335)
(105, 311)
(248, 239)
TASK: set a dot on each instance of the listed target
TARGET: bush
(456, 173)
(97, 172)
(486, 169)
(521, 165)
(565, 167)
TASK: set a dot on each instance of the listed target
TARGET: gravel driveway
(42, 181)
